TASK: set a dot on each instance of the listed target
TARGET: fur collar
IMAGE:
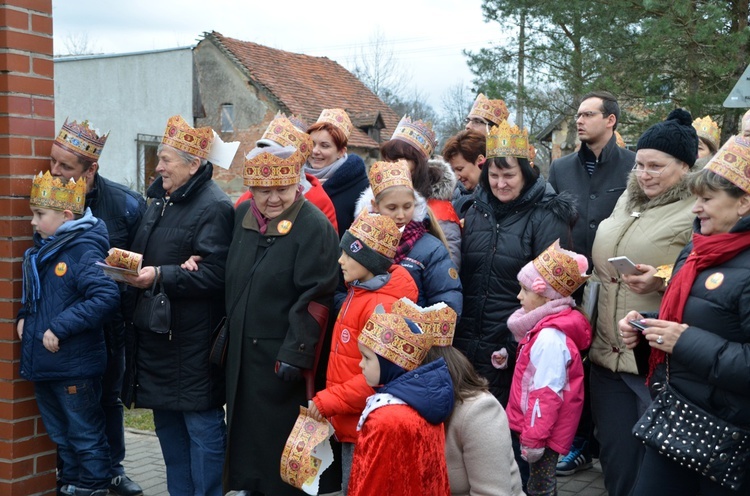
(442, 189)
(637, 199)
(365, 203)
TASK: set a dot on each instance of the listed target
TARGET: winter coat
(76, 297)
(120, 208)
(440, 202)
(493, 251)
(401, 447)
(596, 194)
(479, 451)
(654, 237)
(546, 398)
(346, 390)
(461, 197)
(172, 370)
(344, 188)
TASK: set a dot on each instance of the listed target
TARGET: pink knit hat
(556, 273)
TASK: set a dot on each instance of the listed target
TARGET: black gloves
(288, 372)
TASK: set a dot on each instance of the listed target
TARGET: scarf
(263, 221)
(413, 231)
(708, 251)
(328, 171)
(521, 321)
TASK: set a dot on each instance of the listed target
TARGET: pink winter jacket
(546, 397)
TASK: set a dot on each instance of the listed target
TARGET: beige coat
(654, 237)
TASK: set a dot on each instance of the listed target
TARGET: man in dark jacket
(74, 154)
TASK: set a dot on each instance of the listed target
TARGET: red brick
(10, 104)
(43, 66)
(16, 468)
(27, 126)
(24, 41)
(9, 351)
(15, 83)
(14, 390)
(18, 429)
(43, 146)
(8, 227)
(17, 409)
(11, 289)
(43, 107)
(27, 447)
(15, 62)
(23, 166)
(41, 6)
(14, 146)
(11, 18)
(14, 207)
(41, 23)
(7, 271)
(34, 484)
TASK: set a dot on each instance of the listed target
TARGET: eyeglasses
(587, 115)
(475, 120)
(654, 171)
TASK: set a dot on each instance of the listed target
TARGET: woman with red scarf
(703, 329)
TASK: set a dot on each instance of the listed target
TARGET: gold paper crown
(505, 141)
(284, 133)
(390, 336)
(50, 192)
(268, 170)
(81, 140)
(708, 130)
(494, 111)
(618, 139)
(732, 162)
(297, 122)
(339, 118)
(179, 134)
(384, 175)
(438, 320)
(559, 269)
(378, 232)
(299, 463)
(417, 133)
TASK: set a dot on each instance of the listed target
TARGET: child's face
(530, 300)
(397, 203)
(46, 221)
(370, 365)
(353, 270)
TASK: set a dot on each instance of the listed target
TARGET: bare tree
(78, 43)
(456, 101)
(376, 66)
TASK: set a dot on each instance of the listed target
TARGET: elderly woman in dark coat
(282, 271)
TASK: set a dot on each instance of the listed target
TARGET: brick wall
(27, 456)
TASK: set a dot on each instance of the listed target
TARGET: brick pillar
(27, 126)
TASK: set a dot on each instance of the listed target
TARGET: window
(227, 118)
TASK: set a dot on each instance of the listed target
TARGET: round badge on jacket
(714, 280)
(60, 269)
(285, 226)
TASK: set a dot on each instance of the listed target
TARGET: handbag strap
(249, 280)
(157, 278)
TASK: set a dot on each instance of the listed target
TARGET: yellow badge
(285, 226)
(714, 280)
(453, 273)
(60, 269)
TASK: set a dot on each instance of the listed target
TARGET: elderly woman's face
(174, 171)
(271, 201)
(506, 184)
(718, 212)
(657, 171)
(324, 150)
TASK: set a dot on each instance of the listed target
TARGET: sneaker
(575, 461)
(122, 485)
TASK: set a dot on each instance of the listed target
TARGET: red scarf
(708, 251)
(413, 231)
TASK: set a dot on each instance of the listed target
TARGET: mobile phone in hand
(638, 325)
(624, 265)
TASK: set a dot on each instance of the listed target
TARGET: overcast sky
(426, 36)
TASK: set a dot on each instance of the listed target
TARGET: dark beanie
(364, 255)
(675, 136)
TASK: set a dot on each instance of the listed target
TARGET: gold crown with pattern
(618, 139)
(267, 170)
(418, 133)
(494, 111)
(708, 130)
(81, 140)
(339, 118)
(378, 232)
(732, 162)
(559, 269)
(50, 192)
(384, 175)
(284, 132)
(389, 336)
(506, 141)
(182, 136)
(438, 320)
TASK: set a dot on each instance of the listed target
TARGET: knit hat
(556, 273)
(675, 136)
(396, 339)
(372, 240)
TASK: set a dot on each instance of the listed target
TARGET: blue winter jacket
(428, 389)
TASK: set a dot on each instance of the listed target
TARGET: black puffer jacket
(493, 250)
(172, 371)
(344, 189)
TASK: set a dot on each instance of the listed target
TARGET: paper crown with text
(81, 140)
(438, 320)
(283, 132)
(384, 175)
(417, 133)
(390, 336)
(339, 118)
(51, 192)
(494, 111)
(708, 130)
(732, 162)
(182, 136)
(378, 232)
(560, 269)
(506, 141)
(265, 169)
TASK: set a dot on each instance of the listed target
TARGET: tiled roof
(304, 85)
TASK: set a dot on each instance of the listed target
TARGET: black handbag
(153, 311)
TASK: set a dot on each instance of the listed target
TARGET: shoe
(576, 460)
(71, 490)
(122, 485)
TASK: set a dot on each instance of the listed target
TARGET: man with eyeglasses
(486, 113)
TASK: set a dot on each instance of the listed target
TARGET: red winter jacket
(346, 392)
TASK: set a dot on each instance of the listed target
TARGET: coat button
(268, 240)
(302, 347)
(592, 197)
(592, 225)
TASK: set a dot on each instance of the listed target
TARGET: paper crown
(389, 336)
(378, 232)
(304, 455)
(438, 320)
(506, 141)
(417, 133)
(181, 135)
(732, 162)
(297, 122)
(339, 118)
(51, 192)
(283, 132)
(384, 175)
(81, 140)
(559, 269)
(494, 111)
(618, 139)
(267, 170)
(708, 130)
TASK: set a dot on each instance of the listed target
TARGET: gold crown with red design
(182, 136)
(708, 130)
(81, 140)
(618, 139)
(560, 269)
(299, 463)
(264, 169)
(389, 336)
(284, 132)
(50, 192)
(494, 111)
(438, 320)
(732, 162)
(384, 175)
(339, 118)
(418, 133)
(378, 232)
(506, 141)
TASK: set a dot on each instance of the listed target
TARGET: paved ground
(145, 465)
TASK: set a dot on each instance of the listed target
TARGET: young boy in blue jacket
(66, 300)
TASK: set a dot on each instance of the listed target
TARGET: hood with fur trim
(365, 204)
(442, 179)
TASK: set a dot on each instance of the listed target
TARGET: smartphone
(638, 325)
(624, 265)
